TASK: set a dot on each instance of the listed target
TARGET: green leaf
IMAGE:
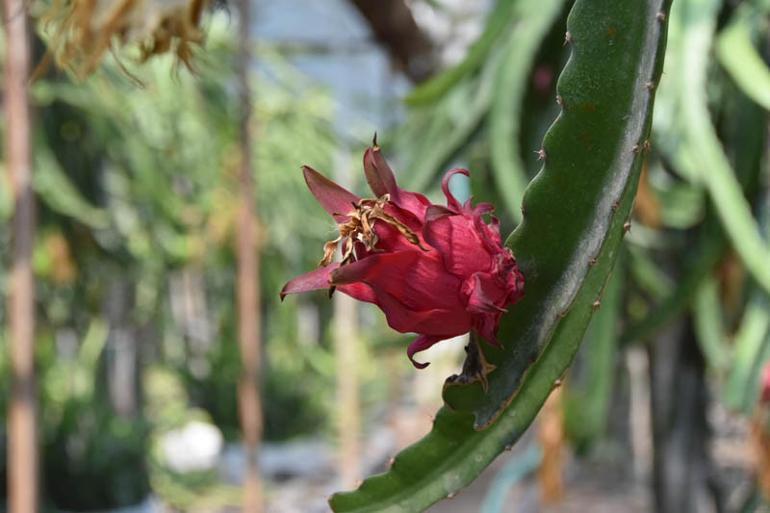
(709, 326)
(709, 249)
(590, 156)
(744, 133)
(432, 90)
(455, 119)
(647, 275)
(682, 206)
(696, 20)
(593, 157)
(505, 115)
(55, 189)
(84, 372)
(752, 349)
(751, 344)
(741, 59)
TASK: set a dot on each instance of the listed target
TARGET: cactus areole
(437, 271)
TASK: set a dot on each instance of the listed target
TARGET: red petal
(412, 202)
(413, 291)
(484, 294)
(456, 238)
(436, 322)
(421, 343)
(486, 326)
(434, 212)
(359, 291)
(489, 233)
(415, 278)
(390, 239)
(336, 200)
(314, 280)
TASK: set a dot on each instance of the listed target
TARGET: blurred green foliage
(137, 188)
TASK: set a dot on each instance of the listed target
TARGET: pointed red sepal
(378, 173)
(317, 279)
(336, 200)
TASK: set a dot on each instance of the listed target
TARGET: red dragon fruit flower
(435, 271)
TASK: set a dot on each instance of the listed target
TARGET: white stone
(194, 447)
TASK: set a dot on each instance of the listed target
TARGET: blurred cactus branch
(394, 27)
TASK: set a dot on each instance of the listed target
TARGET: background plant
(137, 187)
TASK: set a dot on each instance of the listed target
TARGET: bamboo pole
(22, 421)
(249, 308)
(346, 349)
(551, 437)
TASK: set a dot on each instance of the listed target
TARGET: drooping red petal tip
(410, 354)
(421, 343)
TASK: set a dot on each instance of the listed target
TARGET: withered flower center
(360, 228)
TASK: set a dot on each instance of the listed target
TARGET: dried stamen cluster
(360, 229)
(84, 30)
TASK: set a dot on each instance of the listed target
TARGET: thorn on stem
(567, 38)
(661, 16)
(540, 154)
(596, 304)
(626, 227)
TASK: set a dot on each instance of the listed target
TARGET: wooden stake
(348, 409)
(551, 436)
(249, 307)
(22, 419)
